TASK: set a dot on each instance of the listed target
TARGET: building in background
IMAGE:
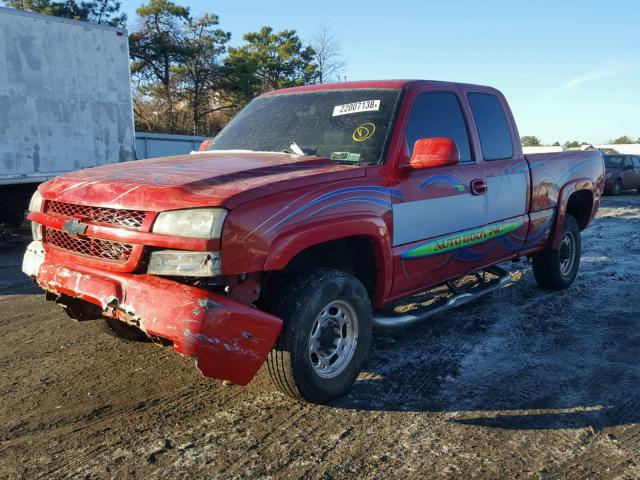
(151, 145)
(628, 149)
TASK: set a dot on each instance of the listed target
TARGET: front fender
(289, 244)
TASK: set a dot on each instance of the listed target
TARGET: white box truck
(65, 102)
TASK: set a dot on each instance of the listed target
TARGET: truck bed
(551, 171)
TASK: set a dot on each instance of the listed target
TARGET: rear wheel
(116, 328)
(556, 269)
(325, 337)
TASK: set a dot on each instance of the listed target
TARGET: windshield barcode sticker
(356, 107)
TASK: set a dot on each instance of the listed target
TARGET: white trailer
(65, 101)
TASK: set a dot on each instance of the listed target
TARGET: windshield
(347, 126)
(613, 163)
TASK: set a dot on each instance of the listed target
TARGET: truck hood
(204, 179)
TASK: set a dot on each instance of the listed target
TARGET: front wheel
(556, 269)
(325, 337)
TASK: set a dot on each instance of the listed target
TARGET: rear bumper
(228, 340)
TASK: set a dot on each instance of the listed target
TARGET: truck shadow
(521, 358)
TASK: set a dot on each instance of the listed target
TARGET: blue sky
(570, 69)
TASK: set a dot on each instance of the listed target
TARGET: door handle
(478, 187)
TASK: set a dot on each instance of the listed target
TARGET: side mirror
(204, 145)
(433, 152)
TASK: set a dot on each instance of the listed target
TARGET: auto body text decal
(461, 240)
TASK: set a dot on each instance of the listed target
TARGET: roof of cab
(391, 84)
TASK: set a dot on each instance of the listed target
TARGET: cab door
(508, 188)
(628, 174)
(440, 206)
(636, 171)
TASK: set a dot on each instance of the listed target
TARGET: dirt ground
(523, 384)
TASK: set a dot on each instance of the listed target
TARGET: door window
(438, 114)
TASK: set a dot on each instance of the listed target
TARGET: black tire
(550, 267)
(303, 307)
(617, 187)
(119, 329)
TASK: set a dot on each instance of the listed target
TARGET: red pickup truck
(311, 211)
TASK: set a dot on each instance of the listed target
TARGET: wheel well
(579, 206)
(354, 255)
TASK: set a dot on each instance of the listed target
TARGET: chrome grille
(91, 247)
(131, 219)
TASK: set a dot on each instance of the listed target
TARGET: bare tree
(328, 55)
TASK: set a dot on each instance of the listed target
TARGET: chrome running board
(458, 298)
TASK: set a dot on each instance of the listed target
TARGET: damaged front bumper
(227, 339)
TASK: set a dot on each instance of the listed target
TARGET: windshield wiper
(347, 162)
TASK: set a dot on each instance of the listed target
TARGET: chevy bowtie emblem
(74, 227)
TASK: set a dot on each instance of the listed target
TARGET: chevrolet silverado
(312, 211)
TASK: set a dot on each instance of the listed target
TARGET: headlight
(36, 231)
(196, 222)
(35, 205)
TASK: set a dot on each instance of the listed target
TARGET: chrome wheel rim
(567, 253)
(333, 339)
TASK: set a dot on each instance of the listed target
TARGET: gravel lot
(523, 384)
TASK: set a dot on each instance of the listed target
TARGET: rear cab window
(492, 125)
(439, 115)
